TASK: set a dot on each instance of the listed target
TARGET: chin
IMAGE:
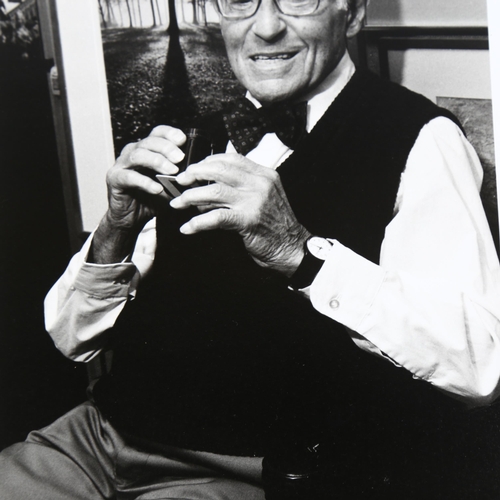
(276, 93)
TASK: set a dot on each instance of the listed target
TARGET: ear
(356, 17)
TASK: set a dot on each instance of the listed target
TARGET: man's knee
(66, 459)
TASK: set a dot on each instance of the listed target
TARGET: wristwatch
(316, 250)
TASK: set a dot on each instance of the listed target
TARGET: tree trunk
(183, 13)
(133, 12)
(140, 13)
(159, 14)
(111, 13)
(195, 14)
(173, 25)
(204, 11)
(121, 15)
(102, 15)
(129, 14)
(153, 11)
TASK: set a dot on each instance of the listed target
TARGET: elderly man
(324, 278)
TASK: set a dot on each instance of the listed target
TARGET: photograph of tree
(165, 64)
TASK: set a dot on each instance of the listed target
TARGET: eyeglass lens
(238, 9)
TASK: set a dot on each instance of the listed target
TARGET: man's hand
(132, 192)
(247, 198)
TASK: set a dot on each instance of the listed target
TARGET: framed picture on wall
(159, 72)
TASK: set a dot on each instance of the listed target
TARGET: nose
(268, 22)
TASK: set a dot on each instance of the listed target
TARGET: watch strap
(306, 272)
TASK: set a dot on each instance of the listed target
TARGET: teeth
(268, 58)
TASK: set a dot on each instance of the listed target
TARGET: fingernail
(175, 203)
(178, 136)
(177, 155)
(170, 169)
(184, 229)
(157, 189)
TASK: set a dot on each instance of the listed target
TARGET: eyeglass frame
(258, 3)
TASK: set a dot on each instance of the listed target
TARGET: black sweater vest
(218, 354)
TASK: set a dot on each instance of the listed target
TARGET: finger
(162, 146)
(163, 195)
(141, 157)
(230, 169)
(215, 195)
(221, 218)
(177, 136)
(127, 180)
(205, 208)
(128, 148)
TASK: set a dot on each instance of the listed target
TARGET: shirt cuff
(103, 281)
(346, 286)
(106, 281)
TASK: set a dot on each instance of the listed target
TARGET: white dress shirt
(431, 306)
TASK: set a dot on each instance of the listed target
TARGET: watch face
(319, 247)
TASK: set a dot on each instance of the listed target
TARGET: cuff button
(334, 304)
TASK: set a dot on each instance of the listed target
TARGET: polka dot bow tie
(246, 125)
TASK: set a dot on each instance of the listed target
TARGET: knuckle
(156, 162)
(264, 184)
(128, 148)
(168, 148)
(273, 175)
(145, 143)
(216, 190)
(135, 157)
(109, 176)
(113, 177)
(164, 131)
(269, 178)
(158, 130)
(222, 216)
(223, 167)
(112, 172)
(132, 157)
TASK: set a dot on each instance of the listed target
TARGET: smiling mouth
(273, 57)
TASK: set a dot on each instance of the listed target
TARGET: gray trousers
(81, 457)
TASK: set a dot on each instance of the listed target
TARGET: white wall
(443, 72)
(428, 12)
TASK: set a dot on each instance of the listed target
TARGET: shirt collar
(319, 100)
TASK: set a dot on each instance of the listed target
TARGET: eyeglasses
(242, 9)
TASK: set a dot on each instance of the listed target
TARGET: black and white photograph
(250, 249)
